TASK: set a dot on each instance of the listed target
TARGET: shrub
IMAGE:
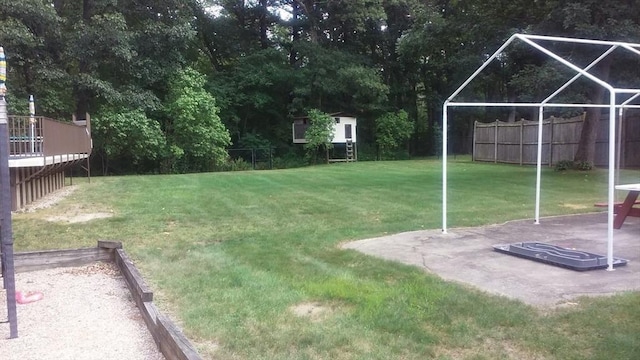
(234, 165)
(563, 165)
(289, 161)
(584, 165)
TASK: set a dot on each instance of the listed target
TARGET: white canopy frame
(541, 43)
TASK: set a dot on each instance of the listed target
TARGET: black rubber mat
(559, 256)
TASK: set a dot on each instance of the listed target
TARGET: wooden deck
(41, 150)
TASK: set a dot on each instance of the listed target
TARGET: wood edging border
(173, 344)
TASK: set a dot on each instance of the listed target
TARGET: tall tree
(31, 32)
(196, 135)
(604, 20)
(392, 130)
(319, 134)
(76, 56)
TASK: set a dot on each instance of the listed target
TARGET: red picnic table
(627, 208)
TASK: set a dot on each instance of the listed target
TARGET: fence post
(473, 149)
(495, 143)
(521, 139)
(550, 139)
(253, 158)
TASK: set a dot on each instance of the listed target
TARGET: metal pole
(5, 206)
(619, 139)
(612, 166)
(445, 126)
(32, 123)
(539, 164)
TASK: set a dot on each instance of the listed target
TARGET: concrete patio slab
(466, 255)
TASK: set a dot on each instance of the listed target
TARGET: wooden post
(15, 189)
(550, 140)
(24, 186)
(28, 187)
(521, 139)
(473, 147)
(6, 233)
(495, 143)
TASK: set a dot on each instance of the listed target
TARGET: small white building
(344, 129)
(344, 134)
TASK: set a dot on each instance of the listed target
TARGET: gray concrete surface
(466, 255)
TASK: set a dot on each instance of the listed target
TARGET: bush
(289, 161)
(235, 165)
(563, 165)
(584, 165)
(367, 152)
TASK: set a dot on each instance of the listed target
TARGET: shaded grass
(230, 253)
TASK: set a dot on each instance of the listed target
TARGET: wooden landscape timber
(173, 344)
(49, 259)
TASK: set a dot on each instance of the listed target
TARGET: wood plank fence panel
(631, 145)
(484, 146)
(509, 143)
(517, 142)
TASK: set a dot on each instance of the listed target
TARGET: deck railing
(46, 137)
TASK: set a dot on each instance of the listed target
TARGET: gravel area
(86, 313)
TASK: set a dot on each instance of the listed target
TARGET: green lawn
(231, 256)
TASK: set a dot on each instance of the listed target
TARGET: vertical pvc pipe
(445, 126)
(32, 123)
(539, 165)
(612, 159)
(619, 143)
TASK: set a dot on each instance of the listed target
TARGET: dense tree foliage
(128, 136)
(171, 84)
(319, 133)
(392, 130)
(197, 137)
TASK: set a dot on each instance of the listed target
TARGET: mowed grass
(249, 263)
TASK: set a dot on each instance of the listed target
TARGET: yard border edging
(171, 341)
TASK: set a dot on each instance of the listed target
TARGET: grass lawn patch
(250, 261)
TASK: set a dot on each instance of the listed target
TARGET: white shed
(344, 134)
(344, 129)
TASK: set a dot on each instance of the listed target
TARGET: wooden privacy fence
(517, 142)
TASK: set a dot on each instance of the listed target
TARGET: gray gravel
(86, 313)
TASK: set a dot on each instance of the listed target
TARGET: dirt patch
(575, 206)
(49, 200)
(499, 349)
(80, 217)
(48, 208)
(312, 310)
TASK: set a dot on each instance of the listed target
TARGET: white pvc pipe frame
(530, 39)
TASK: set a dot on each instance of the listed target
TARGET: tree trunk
(307, 7)
(80, 92)
(295, 33)
(87, 10)
(264, 41)
(58, 5)
(587, 145)
(511, 96)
